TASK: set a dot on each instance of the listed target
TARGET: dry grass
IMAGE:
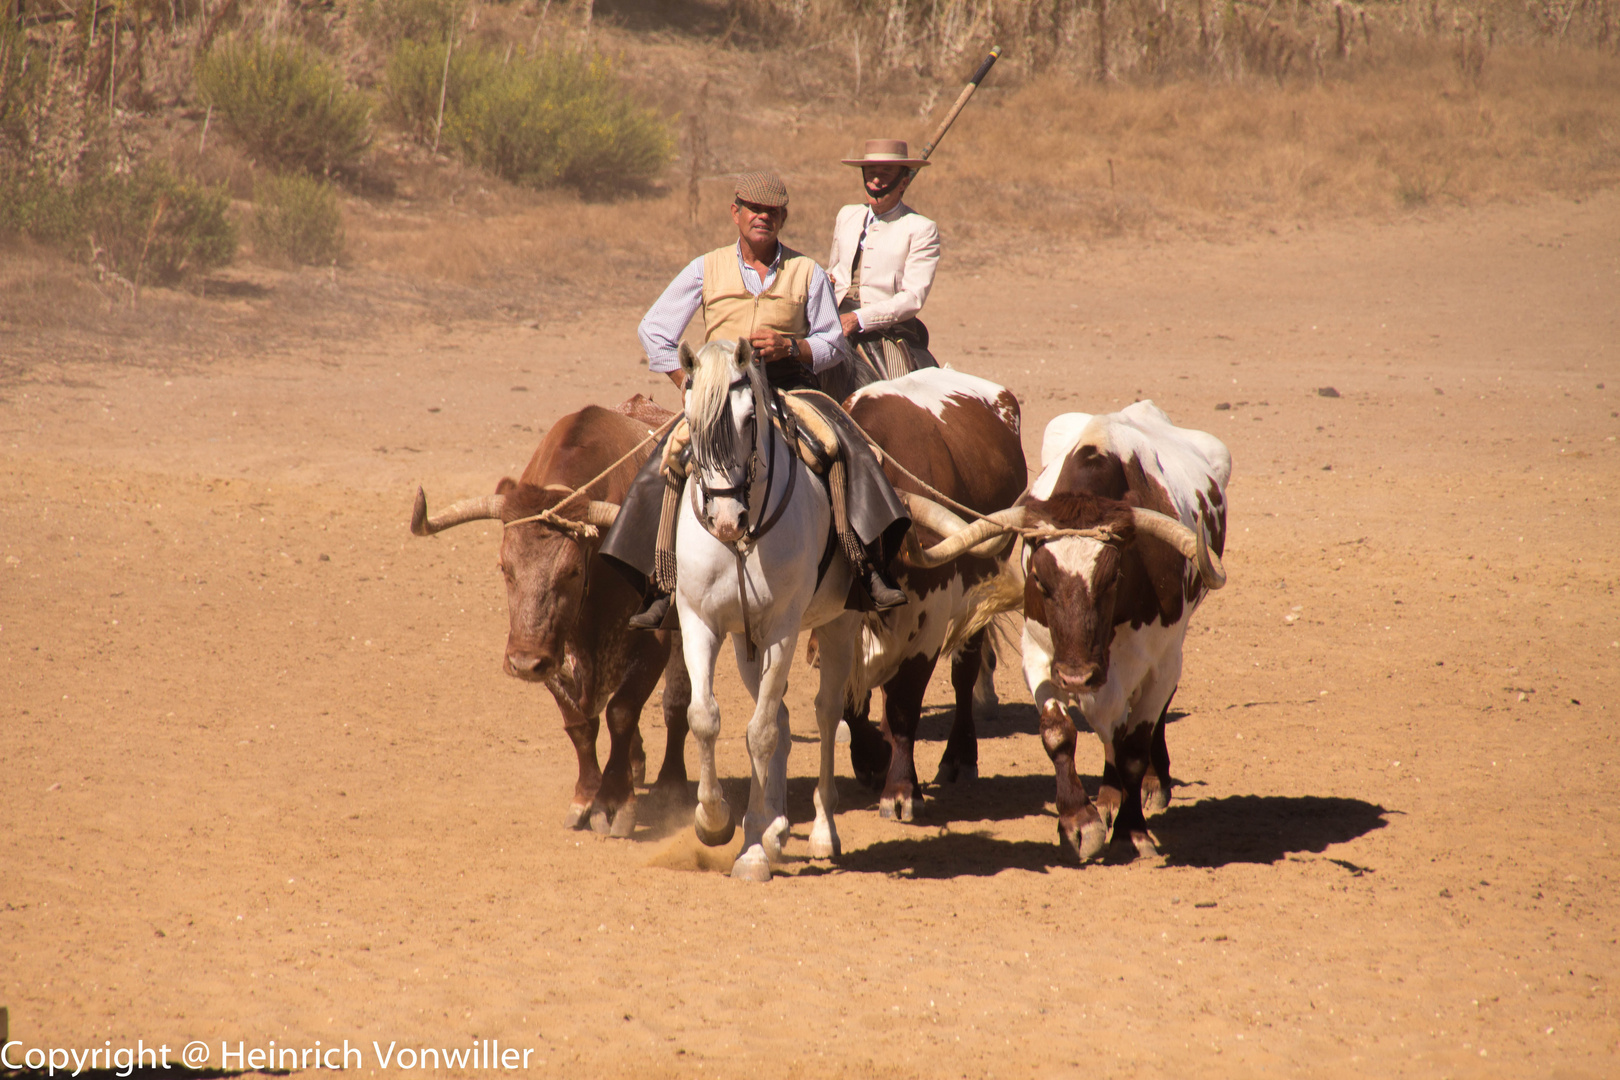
(1060, 161)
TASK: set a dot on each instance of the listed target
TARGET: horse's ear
(745, 354)
(688, 360)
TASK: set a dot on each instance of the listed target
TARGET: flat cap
(762, 188)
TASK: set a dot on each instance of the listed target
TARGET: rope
(1030, 532)
(581, 530)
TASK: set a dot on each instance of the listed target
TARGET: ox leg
(582, 732)
(902, 707)
(712, 821)
(677, 697)
(868, 745)
(961, 760)
(1079, 823)
(1156, 783)
(765, 824)
(1130, 756)
(614, 810)
(842, 638)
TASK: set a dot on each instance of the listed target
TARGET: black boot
(651, 617)
(886, 595)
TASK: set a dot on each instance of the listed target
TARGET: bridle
(742, 489)
(746, 474)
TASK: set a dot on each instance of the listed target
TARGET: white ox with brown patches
(1134, 506)
(959, 434)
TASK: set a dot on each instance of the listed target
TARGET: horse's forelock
(708, 407)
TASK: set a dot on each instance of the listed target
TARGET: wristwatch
(793, 348)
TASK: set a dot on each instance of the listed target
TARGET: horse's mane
(709, 404)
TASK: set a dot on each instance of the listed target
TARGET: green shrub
(287, 107)
(553, 118)
(297, 218)
(150, 225)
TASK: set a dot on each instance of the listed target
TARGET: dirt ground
(265, 781)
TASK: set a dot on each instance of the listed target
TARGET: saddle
(800, 422)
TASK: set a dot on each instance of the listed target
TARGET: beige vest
(731, 311)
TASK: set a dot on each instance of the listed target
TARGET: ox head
(723, 383)
(1086, 571)
(547, 544)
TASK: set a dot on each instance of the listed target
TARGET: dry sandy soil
(264, 779)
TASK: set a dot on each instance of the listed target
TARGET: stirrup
(651, 617)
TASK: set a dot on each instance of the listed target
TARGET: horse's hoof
(600, 823)
(825, 845)
(842, 736)
(752, 865)
(774, 838)
(624, 822)
(710, 834)
(1142, 841)
(576, 816)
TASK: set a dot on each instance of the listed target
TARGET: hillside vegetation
(540, 144)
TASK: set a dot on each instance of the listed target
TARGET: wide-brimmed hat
(886, 152)
(762, 188)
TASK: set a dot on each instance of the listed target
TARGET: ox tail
(998, 595)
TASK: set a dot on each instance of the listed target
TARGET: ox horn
(482, 508)
(986, 537)
(1190, 542)
(600, 514)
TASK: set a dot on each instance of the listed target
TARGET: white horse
(751, 549)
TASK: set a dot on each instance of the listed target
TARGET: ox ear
(688, 359)
(745, 354)
(506, 486)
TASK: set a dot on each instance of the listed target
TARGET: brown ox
(960, 435)
(568, 611)
(1129, 498)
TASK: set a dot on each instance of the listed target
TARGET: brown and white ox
(1134, 507)
(959, 434)
(568, 611)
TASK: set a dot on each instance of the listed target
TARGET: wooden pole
(961, 101)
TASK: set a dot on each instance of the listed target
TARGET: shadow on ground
(1260, 828)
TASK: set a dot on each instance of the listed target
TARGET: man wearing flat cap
(760, 291)
(882, 263)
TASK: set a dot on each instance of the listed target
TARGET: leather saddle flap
(818, 440)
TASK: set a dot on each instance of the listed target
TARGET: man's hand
(851, 323)
(678, 377)
(769, 345)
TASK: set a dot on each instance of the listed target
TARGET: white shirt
(899, 256)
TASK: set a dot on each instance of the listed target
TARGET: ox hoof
(951, 772)
(842, 736)
(600, 822)
(1155, 799)
(577, 813)
(624, 822)
(714, 830)
(752, 865)
(1142, 841)
(1085, 838)
(896, 808)
(638, 772)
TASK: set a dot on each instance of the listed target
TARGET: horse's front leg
(840, 639)
(765, 825)
(701, 647)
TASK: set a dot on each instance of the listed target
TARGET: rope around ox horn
(584, 531)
